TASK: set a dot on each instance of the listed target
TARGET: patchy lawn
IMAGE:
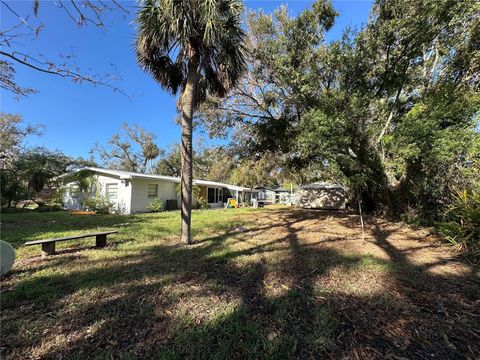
(259, 283)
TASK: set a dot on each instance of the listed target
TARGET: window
(112, 191)
(214, 195)
(211, 195)
(152, 191)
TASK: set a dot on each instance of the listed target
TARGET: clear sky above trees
(77, 116)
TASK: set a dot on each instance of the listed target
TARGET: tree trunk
(187, 107)
(395, 196)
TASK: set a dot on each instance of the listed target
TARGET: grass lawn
(271, 283)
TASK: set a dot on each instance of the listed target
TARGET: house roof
(263, 187)
(270, 189)
(134, 175)
(228, 186)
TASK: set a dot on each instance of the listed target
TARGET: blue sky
(77, 116)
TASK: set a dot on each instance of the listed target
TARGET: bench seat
(48, 245)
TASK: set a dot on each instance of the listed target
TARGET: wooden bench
(48, 245)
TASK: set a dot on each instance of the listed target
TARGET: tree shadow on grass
(175, 302)
(19, 232)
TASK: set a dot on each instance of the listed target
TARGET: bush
(51, 202)
(44, 207)
(462, 227)
(202, 203)
(196, 195)
(56, 197)
(99, 204)
(417, 218)
(156, 205)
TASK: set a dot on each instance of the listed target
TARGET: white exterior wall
(140, 201)
(123, 202)
(121, 205)
(132, 190)
(267, 195)
(71, 199)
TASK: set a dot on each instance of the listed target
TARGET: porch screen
(211, 195)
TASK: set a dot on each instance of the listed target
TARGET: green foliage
(214, 163)
(156, 205)
(87, 184)
(256, 172)
(132, 150)
(170, 164)
(13, 134)
(55, 201)
(39, 165)
(196, 191)
(196, 48)
(85, 181)
(89, 190)
(394, 104)
(202, 203)
(463, 227)
(98, 203)
(27, 171)
(212, 37)
(11, 188)
(196, 195)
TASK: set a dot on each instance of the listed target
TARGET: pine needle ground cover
(257, 284)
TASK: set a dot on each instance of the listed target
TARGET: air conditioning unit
(171, 205)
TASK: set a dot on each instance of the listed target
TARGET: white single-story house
(272, 196)
(282, 195)
(321, 195)
(132, 192)
(265, 194)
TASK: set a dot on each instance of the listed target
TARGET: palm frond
(170, 31)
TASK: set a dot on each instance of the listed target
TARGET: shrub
(54, 201)
(155, 205)
(462, 227)
(44, 207)
(202, 203)
(100, 204)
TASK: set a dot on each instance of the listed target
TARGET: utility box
(171, 205)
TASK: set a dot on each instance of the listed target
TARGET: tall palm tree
(195, 48)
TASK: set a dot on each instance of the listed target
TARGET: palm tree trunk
(187, 107)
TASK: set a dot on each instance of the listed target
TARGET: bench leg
(48, 249)
(101, 240)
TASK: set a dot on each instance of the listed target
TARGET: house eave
(125, 175)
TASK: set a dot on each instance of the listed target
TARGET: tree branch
(15, 35)
(65, 73)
